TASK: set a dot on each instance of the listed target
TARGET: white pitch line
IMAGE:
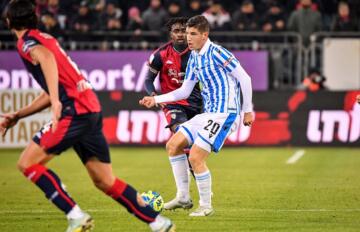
(39, 211)
(294, 158)
(228, 210)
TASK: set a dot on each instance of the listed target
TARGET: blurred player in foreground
(169, 61)
(221, 77)
(358, 99)
(76, 122)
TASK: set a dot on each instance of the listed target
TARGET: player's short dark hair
(21, 15)
(199, 22)
(177, 20)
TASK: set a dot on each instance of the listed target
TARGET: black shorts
(178, 114)
(82, 132)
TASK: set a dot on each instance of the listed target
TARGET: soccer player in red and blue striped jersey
(76, 122)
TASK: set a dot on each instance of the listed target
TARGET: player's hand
(248, 119)
(358, 98)
(56, 109)
(8, 121)
(162, 105)
(148, 102)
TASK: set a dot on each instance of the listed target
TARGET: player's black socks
(127, 196)
(51, 185)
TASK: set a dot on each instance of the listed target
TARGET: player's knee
(22, 165)
(194, 161)
(171, 148)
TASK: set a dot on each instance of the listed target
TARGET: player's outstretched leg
(180, 166)
(31, 165)
(126, 195)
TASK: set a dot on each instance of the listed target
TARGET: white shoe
(168, 226)
(83, 224)
(202, 211)
(176, 203)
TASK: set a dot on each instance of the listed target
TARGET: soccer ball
(154, 200)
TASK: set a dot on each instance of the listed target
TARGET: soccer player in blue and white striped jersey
(222, 79)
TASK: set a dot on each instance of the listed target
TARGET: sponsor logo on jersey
(169, 62)
(228, 61)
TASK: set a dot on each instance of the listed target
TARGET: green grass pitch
(254, 190)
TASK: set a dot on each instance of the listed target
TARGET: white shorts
(209, 130)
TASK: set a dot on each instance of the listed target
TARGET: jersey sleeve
(178, 94)
(246, 88)
(225, 59)
(190, 73)
(155, 62)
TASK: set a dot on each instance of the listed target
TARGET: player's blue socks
(51, 185)
(127, 196)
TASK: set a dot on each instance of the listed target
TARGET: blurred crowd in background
(302, 16)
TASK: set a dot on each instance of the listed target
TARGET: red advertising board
(281, 118)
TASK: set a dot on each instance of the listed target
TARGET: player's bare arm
(358, 98)
(46, 59)
(40, 103)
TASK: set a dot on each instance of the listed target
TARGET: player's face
(195, 38)
(178, 33)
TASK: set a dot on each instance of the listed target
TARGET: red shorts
(82, 132)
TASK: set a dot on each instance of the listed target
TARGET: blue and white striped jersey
(211, 66)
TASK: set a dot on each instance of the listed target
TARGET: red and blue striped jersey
(171, 66)
(75, 92)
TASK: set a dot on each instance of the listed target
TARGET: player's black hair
(199, 22)
(172, 21)
(20, 15)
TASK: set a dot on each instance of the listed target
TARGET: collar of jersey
(25, 33)
(205, 47)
